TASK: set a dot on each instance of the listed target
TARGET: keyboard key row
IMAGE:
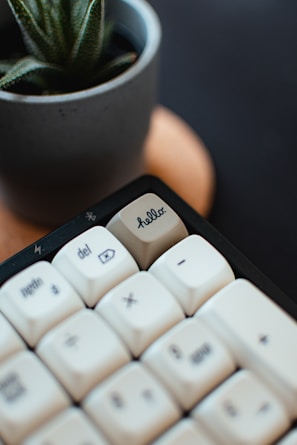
(240, 410)
(44, 294)
(134, 311)
(232, 366)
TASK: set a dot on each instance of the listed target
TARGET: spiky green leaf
(115, 67)
(57, 29)
(24, 68)
(77, 14)
(36, 40)
(36, 8)
(88, 45)
(6, 65)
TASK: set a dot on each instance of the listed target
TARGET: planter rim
(153, 38)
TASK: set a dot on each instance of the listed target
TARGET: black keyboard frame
(46, 247)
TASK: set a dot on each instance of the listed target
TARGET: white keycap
(289, 439)
(140, 309)
(185, 432)
(147, 227)
(10, 341)
(193, 270)
(36, 299)
(190, 361)
(261, 335)
(82, 351)
(243, 411)
(72, 427)
(131, 407)
(94, 262)
(29, 396)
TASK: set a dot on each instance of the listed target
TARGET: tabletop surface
(232, 75)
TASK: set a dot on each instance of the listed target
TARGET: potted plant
(73, 138)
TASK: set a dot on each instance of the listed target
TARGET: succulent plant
(67, 43)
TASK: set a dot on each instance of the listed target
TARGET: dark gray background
(229, 68)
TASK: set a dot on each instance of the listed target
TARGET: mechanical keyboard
(137, 323)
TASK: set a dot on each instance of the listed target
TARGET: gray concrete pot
(59, 154)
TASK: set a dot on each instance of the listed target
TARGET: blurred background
(229, 69)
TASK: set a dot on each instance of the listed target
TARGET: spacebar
(261, 336)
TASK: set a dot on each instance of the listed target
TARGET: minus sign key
(181, 262)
